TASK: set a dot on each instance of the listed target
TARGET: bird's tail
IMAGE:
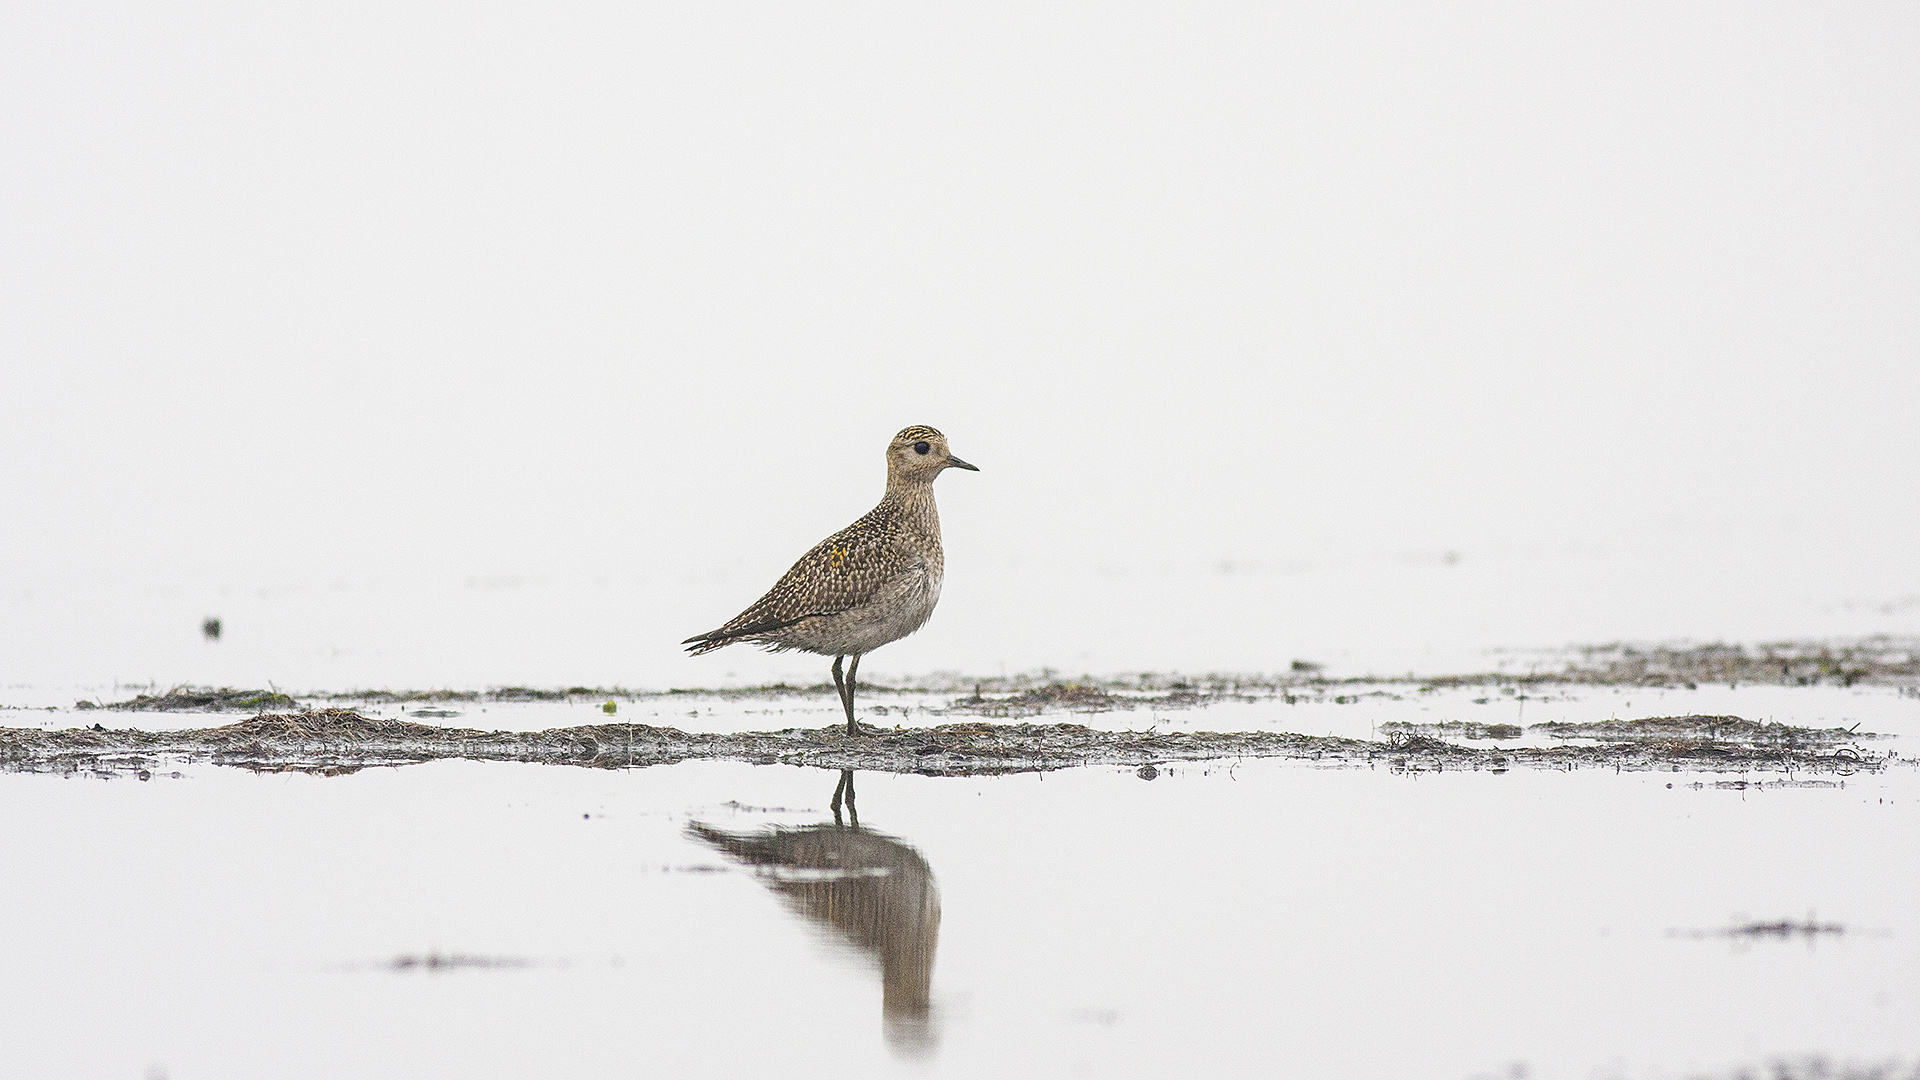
(749, 626)
(709, 641)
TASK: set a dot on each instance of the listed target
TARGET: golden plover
(872, 582)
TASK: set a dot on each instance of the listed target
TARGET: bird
(873, 582)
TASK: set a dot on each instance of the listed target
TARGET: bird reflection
(876, 891)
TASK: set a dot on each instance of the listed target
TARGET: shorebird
(873, 582)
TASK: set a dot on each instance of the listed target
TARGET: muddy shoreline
(1888, 662)
(338, 741)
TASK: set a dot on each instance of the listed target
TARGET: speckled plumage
(875, 581)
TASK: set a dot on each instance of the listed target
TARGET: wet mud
(1456, 729)
(1871, 662)
(200, 699)
(1710, 728)
(331, 741)
(1879, 661)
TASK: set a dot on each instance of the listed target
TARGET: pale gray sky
(1249, 313)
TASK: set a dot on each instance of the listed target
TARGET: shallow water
(1349, 710)
(1226, 918)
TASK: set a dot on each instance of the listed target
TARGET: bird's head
(918, 454)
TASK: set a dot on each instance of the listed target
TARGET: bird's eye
(921, 448)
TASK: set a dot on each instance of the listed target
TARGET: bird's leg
(846, 775)
(853, 812)
(853, 726)
(840, 685)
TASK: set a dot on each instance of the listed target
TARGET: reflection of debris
(331, 741)
(1764, 785)
(1820, 1068)
(737, 805)
(1780, 930)
(455, 962)
(1147, 772)
(1459, 729)
(435, 962)
(210, 629)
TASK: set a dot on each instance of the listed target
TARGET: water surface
(1229, 918)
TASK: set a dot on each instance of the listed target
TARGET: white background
(482, 344)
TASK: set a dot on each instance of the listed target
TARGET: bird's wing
(841, 573)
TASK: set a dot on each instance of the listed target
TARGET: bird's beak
(956, 463)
